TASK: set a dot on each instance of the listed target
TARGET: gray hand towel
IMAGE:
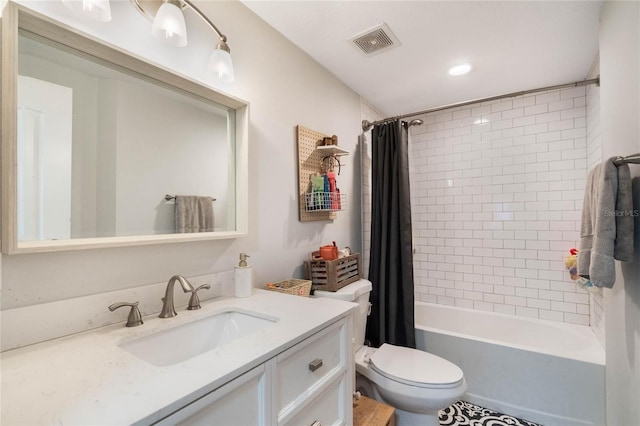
(194, 214)
(607, 223)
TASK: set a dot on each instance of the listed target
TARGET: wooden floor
(367, 412)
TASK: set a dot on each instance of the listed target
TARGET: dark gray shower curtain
(391, 261)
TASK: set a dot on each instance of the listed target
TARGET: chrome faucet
(168, 309)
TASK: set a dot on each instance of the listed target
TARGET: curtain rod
(366, 124)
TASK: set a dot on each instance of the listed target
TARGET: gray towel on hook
(606, 232)
(194, 214)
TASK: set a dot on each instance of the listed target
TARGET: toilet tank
(357, 292)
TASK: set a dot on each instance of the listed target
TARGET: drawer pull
(313, 366)
(316, 423)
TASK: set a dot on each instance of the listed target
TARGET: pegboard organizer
(311, 154)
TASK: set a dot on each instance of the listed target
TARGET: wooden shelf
(332, 150)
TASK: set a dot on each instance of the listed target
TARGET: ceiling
(511, 45)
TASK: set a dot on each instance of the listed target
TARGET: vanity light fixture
(459, 69)
(98, 10)
(168, 25)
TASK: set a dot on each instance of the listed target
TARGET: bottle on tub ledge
(243, 277)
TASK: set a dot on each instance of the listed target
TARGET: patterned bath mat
(463, 413)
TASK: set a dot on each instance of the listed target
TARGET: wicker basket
(292, 286)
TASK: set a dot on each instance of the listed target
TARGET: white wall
(620, 133)
(285, 87)
(370, 113)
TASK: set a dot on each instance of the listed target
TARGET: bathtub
(543, 371)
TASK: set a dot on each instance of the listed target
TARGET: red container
(329, 252)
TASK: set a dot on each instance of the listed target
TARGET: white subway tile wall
(497, 193)
(594, 156)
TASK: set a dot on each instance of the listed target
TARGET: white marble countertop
(86, 379)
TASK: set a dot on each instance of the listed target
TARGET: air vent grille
(375, 40)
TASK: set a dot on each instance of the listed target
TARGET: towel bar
(173, 197)
(629, 159)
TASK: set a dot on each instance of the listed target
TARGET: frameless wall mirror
(95, 139)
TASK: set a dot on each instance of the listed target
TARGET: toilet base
(365, 387)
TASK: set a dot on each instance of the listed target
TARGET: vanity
(294, 369)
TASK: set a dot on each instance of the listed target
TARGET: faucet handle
(135, 319)
(194, 301)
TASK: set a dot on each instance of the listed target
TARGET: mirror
(96, 143)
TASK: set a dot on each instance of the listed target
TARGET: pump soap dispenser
(243, 277)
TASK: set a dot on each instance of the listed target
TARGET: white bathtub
(543, 371)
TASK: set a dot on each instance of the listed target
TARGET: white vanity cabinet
(307, 384)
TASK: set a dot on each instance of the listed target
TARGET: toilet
(416, 383)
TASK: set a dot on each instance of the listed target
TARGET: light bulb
(169, 25)
(220, 63)
(98, 10)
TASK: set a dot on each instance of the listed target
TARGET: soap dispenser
(243, 277)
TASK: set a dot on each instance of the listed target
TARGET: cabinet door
(242, 402)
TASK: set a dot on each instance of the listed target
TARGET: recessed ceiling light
(460, 69)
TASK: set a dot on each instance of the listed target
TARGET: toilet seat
(415, 367)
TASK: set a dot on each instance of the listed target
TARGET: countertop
(86, 379)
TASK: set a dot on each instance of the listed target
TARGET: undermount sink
(186, 341)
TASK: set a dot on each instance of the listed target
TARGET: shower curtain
(391, 261)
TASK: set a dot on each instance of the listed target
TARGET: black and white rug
(466, 414)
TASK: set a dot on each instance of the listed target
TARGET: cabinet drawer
(240, 402)
(327, 408)
(310, 362)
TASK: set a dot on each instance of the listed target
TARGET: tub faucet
(168, 309)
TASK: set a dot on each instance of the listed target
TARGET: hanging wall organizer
(314, 159)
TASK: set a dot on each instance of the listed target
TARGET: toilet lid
(415, 367)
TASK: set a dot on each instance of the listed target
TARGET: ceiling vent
(375, 40)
